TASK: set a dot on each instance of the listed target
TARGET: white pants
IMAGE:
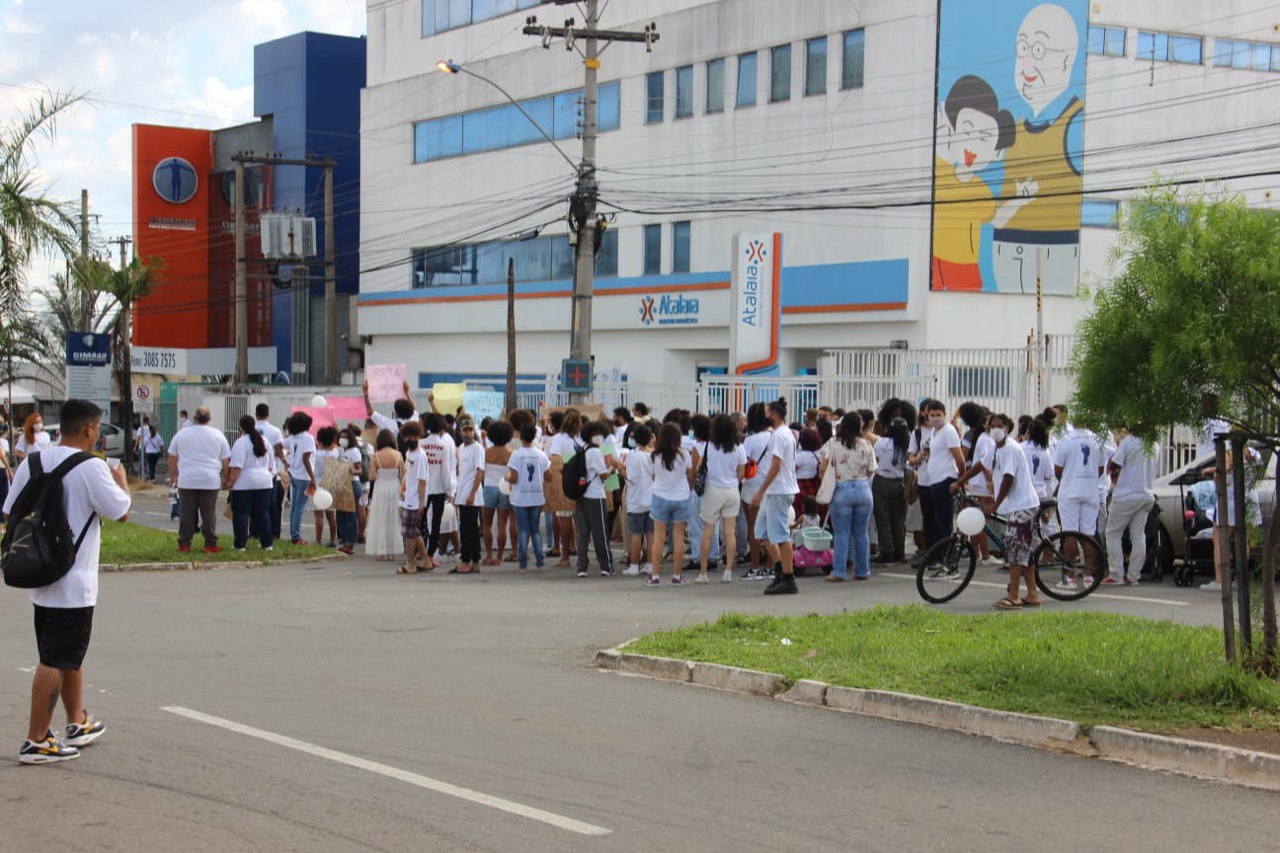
(1079, 514)
(1130, 514)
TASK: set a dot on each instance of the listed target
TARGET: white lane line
(549, 818)
(1140, 598)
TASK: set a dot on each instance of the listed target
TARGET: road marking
(549, 818)
(1139, 598)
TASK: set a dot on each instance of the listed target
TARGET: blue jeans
(298, 506)
(527, 526)
(349, 522)
(250, 510)
(850, 514)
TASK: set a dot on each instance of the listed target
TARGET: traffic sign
(142, 396)
(575, 376)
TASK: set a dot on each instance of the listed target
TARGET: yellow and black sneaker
(46, 751)
(85, 733)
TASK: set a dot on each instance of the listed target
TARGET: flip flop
(1006, 604)
(1026, 602)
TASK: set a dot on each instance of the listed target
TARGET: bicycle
(948, 566)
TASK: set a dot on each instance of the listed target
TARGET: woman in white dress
(382, 532)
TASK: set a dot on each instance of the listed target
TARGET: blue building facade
(308, 84)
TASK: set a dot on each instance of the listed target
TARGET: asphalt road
(462, 713)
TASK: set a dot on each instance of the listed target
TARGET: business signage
(669, 309)
(88, 375)
(754, 303)
(174, 180)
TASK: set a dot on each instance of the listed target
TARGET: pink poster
(386, 382)
(348, 410)
(319, 417)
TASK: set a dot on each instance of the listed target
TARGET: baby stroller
(1197, 527)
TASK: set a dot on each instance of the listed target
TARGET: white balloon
(504, 486)
(322, 499)
(319, 402)
(970, 521)
(791, 516)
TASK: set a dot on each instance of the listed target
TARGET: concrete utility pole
(330, 284)
(126, 369)
(242, 285)
(582, 207)
(85, 296)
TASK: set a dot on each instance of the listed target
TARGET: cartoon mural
(1010, 136)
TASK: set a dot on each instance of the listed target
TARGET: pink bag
(806, 559)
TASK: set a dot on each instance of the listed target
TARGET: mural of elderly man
(1047, 149)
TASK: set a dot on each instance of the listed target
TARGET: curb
(212, 564)
(1213, 762)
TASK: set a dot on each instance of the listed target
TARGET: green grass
(134, 543)
(1096, 668)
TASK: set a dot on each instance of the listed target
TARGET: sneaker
(782, 585)
(701, 578)
(646, 569)
(582, 573)
(728, 576)
(631, 571)
(757, 574)
(83, 734)
(239, 550)
(712, 565)
(269, 548)
(1066, 585)
(678, 580)
(1130, 581)
(184, 549)
(1110, 581)
(991, 562)
(606, 573)
(212, 549)
(1211, 586)
(46, 751)
(654, 580)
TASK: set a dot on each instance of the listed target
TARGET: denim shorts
(664, 511)
(771, 523)
(639, 523)
(495, 499)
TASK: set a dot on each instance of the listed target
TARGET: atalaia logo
(669, 310)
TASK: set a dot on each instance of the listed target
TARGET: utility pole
(85, 298)
(510, 402)
(330, 284)
(242, 285)
(126, 369)
(582, 207)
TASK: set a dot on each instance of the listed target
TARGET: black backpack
(573, 478)
(37, 548)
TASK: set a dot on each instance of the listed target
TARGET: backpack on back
(573, 478)
(38, 548)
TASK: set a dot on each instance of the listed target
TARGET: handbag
(752, 468)
(700, 479)
(827, 488)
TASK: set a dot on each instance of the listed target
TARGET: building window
(506, 126)
(653, 250)
(747, 80)
(815, 66)
(1162, 47)
(441, 15)
(715, 86)
(1245, 55)
(1106, 41)
(1100, 213)
(780, 73)
(547, 258)
(680, 247)
(607, 257)
(851, 67)
(684, 91)
(655, 82)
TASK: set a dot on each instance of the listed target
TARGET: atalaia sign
(754, 304)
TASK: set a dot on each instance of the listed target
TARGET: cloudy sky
(179, 62)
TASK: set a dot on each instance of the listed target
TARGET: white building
(746, 116)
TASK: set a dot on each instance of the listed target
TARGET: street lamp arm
(451, 67)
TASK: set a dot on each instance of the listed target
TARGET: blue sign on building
(575, 376)
(174, 180)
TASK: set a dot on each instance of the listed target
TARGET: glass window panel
(1162, 46)
(565, 120)
(715, 86)
(1275, 57)
(519, 129)
(527, 4)
(483, 10)
(1146, 45)
(426, 141)
(495, 128)
(561, 258)
(450, 136)
(503, 7)
(1114, 41)
(473, 133)
(653, 250)
(680, 247)
(1261, 57)
(1099, 213)
(533, 259)
(428, 17)
(607, 258)
(491, 263)
(655, 82)
(747, 80)
(684, 91)
(855, 44)
(815, 66)
(1222, 49)
(609, 110)
(1096, 40)
(1188, 49)
(1242, 56)
(459, 13)
(442, 15)
(780, 73)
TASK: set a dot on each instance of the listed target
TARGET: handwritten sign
(386, 382)
(481, 404)
(449, 396)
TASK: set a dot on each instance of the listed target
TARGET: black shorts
(62, 635)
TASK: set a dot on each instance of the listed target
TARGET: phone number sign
(158, 360)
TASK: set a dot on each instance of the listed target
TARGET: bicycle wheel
(1069, 565)
(946, 570)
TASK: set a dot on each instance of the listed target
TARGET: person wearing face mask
(1017, 501)
(774, 498)
(590, 519)
(944, 461)
(470, 499)
(349, 522)
(33, 438)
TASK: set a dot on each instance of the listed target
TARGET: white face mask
(342, 442)
(998, 434)
(597, 440)
(937, 421)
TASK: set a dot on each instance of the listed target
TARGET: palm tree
(30, 221)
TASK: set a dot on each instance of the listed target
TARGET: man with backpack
(52, 547)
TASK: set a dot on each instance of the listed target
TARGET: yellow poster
(448, 396)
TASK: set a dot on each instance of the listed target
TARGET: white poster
(754, 303)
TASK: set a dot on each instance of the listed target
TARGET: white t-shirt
(470, 467)
(441, 462)
(885, 466)
(531, 466)
(595, 467)
(941, 465)
(1022, 494)
(382, 421)
(274, 436)
(318, 460)
(353, 457)
(296, 447)
(722, 468)
(1042, 476)
(639, 481)
(561, 445)
(42, 441)
(1079, 456)
(672, 485)
(782, 445)
(984, 454)
(186, 422)
(153, 443)
(1137, 469)
(920, 439)
(756, 446)
(808, 463)
(200, 449)
(255, 471)
(415, 472)
(88, 488)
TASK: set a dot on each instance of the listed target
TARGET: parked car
(111, 439)
(1166, 532)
